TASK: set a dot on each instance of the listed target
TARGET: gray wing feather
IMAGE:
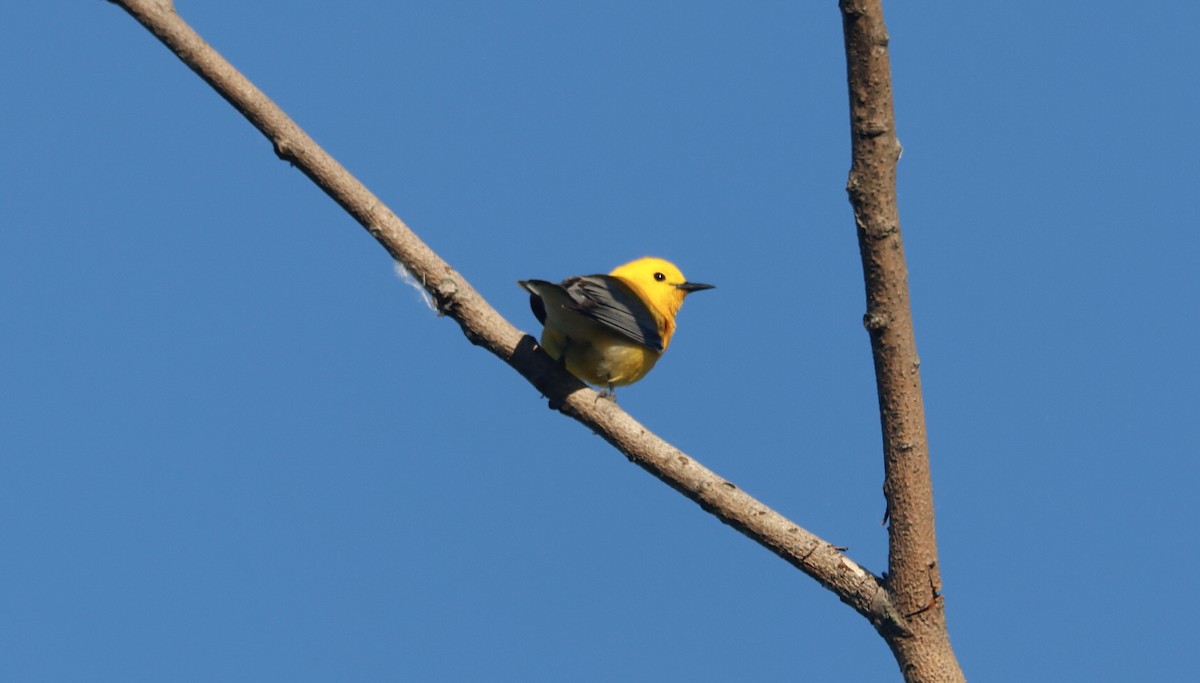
(612, 303)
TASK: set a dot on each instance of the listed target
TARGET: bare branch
(914, 580)
(483, 326)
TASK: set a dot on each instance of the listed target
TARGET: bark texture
(913, 578)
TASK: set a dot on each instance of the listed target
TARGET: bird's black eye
(660, 277)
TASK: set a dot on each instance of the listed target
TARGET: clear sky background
(235, 446)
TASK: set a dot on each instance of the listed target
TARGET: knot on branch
(853, 187)
(850, 9)
(881, 230)
(873, 129)
(445, 295)
(285, 149)
(874, 321)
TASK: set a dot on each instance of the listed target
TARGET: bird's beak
(690, 287)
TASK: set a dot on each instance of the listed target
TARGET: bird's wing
(535, 297)
(615, 305)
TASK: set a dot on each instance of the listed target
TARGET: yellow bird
(611, 329)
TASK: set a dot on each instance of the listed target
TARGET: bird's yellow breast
(600, 357)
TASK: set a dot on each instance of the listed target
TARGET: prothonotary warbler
(610, 330)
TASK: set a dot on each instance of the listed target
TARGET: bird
(610, 330)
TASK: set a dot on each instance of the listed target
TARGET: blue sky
(234, 446)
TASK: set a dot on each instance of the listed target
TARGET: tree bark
(913, 578)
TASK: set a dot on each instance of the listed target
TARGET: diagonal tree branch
(913, 580)
(483, 326)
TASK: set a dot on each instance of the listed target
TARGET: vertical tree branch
(913, 577)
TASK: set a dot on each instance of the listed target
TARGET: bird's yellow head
(660, 283)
